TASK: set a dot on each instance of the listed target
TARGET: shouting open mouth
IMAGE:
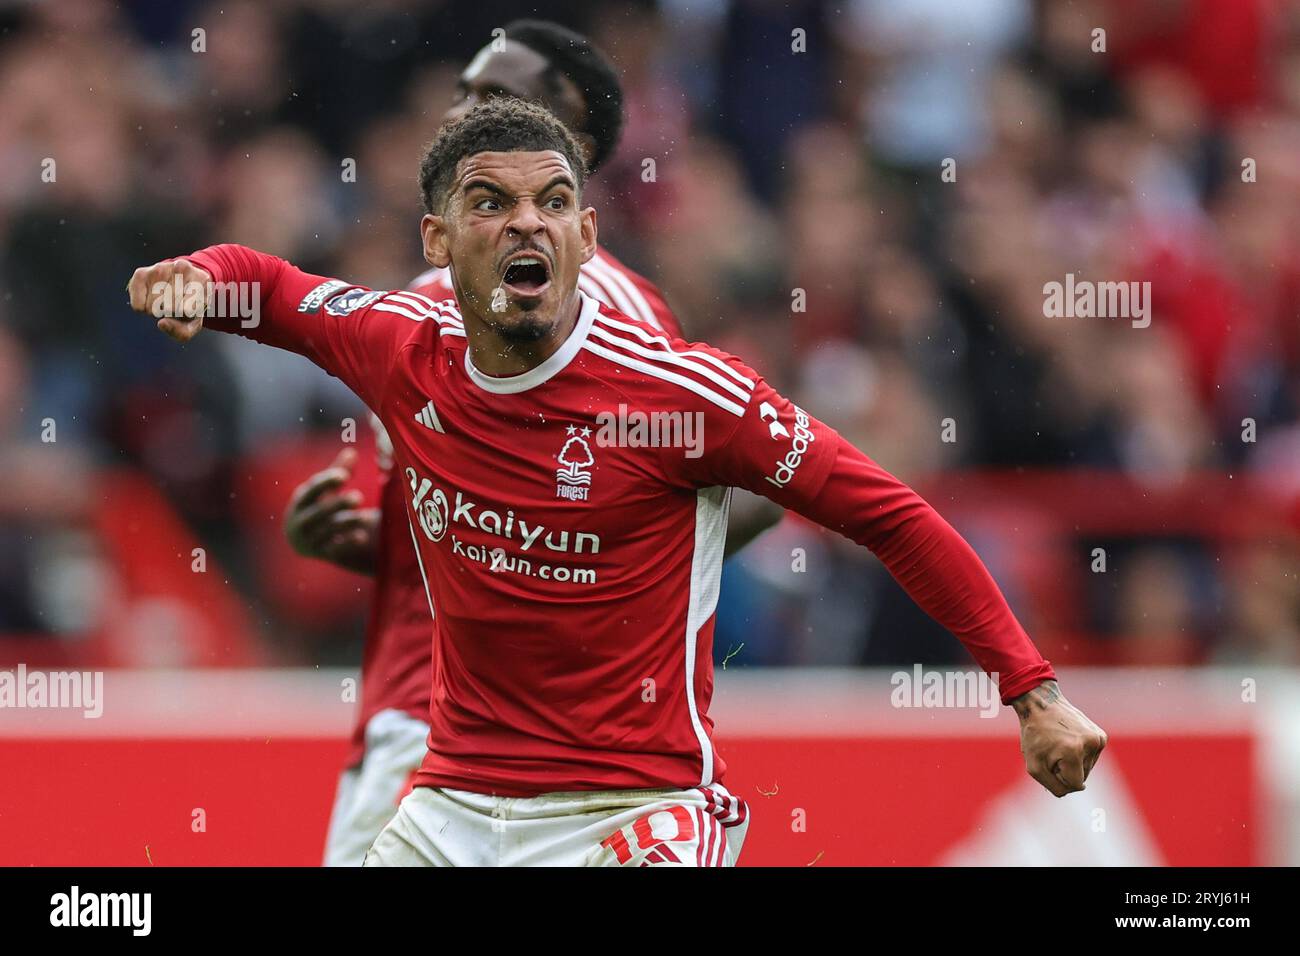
(526, 275)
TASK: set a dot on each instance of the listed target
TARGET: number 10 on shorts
(674, 825)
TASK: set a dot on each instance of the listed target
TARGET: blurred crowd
(864, 199)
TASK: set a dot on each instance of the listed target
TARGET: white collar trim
(552, 366)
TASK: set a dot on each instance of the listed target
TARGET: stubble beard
(530, 326)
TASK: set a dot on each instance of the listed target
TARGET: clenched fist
(175, 292)
(1060, 744)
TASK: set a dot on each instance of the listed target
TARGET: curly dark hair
(500, 124)
(573, 55)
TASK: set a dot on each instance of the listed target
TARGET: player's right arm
(290, 309)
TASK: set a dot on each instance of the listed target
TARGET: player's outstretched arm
(329, 525)
(942, 573)
(231, 288)
(780, 451)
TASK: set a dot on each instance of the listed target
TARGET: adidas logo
(428, 417)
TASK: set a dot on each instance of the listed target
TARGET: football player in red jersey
(551, 64)
(574, 606)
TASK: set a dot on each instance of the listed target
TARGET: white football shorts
(368, 794)
(442, 827)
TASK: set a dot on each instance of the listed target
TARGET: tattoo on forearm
(1041, 697)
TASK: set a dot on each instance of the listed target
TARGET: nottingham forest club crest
(573, 477)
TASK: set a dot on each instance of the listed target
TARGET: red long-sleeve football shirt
(573, 570)
(396, 663)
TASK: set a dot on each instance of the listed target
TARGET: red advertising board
(252, 783)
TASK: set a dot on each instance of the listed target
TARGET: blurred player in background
(575, 606)
(550, 64)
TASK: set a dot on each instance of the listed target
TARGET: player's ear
(433, 230)
(588, 227)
